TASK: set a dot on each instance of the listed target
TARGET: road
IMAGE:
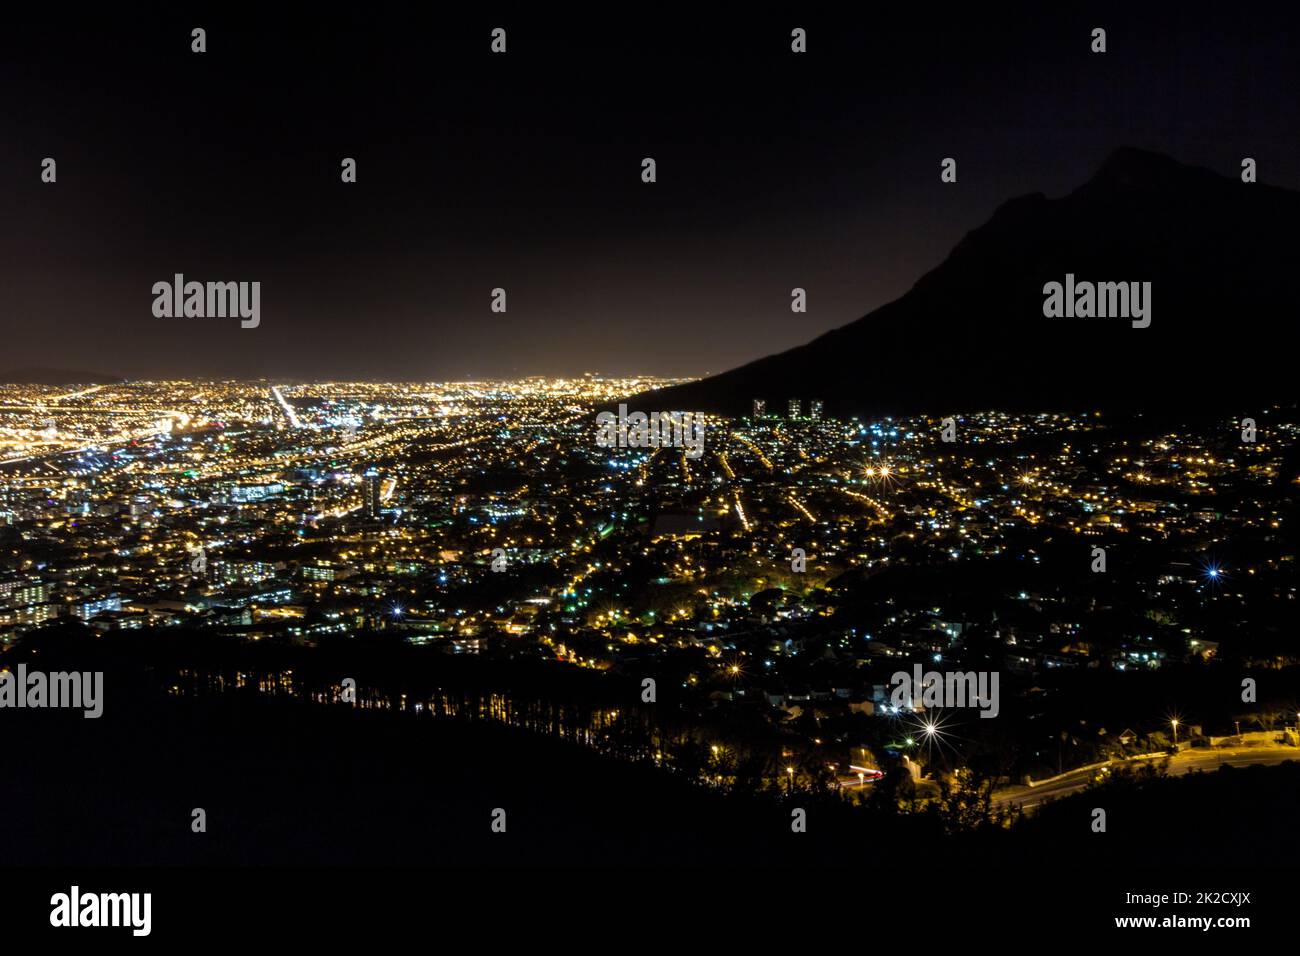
(288, 409)
(1205, 759)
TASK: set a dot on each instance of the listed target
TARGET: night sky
(476, 170)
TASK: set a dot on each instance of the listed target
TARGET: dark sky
(523, 171)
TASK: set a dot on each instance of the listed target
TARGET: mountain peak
(974, 333)
(1130, 167)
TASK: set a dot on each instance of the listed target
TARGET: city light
(247, 516)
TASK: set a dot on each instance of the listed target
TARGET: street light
(1174, 721)
(790, 771)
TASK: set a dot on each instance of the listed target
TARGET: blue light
(1213, 571)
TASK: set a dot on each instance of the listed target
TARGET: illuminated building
(373, 483)
(90, 609)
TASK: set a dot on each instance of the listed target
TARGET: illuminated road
(800, 506)
(49, 442)
(859, 778)
(288, 410)
(740, 510)
(881, 510)
(758, 452)
(1203, 759)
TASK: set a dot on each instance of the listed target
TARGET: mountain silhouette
(56, 376)
(972, 334)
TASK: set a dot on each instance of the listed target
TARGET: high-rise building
(371, 491)
(796, 408)
(815, 408)
(760, 407)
